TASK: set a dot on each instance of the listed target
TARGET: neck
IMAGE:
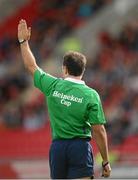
(74, 77)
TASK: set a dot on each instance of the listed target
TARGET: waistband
(71, 139)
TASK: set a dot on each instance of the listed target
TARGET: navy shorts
(71, 159)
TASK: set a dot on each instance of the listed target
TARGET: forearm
(101, 140)
(28, 57)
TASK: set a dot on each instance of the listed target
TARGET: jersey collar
(75, 80)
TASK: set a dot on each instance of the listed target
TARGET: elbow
(31, 69)
(98, 130)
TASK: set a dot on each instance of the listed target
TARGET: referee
(74, 109)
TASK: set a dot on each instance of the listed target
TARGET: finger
(22, 22)
(23, 26)
(19, 27)
(29, 31)
(106, 174)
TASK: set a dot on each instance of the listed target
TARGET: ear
(64, 68)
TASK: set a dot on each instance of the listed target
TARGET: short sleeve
(44, 81)
(96, 114)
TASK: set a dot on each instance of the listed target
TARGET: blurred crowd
(113, 73)
(55, 18)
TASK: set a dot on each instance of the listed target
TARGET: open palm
(24, 32)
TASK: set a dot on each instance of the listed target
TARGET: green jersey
(73, 107)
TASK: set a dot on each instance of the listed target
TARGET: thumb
(29, 32)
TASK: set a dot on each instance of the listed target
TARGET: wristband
(105, 164)
(22, 41)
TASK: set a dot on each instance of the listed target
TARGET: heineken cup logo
(66, 99)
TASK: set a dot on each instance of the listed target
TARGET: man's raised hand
(24, 32)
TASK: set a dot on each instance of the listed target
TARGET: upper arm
(32, 69)
(43, 81)
(96, 114)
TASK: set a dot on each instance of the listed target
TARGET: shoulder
(40, 72)
(92, 93)
(40, 75)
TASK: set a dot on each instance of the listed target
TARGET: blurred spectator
(12, 117)
(85, 9)
(114, 74)
(34, 117)
(53, 20)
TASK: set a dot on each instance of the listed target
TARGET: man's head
(74, 64)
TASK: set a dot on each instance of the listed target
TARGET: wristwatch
(21, 41)
(104, 164)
